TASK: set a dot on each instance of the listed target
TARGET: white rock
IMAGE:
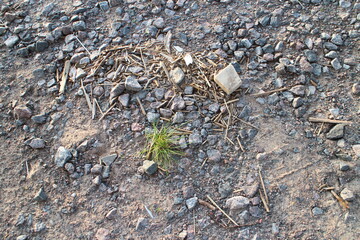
(228, 79)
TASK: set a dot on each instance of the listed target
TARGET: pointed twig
(214, 203)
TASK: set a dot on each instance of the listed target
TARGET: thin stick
(214, 203)
(269, 92)
(93, 110)
(141, 106)
(294, 171)
(264, 201)
(320, 129)
(325, 120)
(86, 97)
(27, 168)
(149, 212)
(241, 146)
(249, 124)
(64, 76)
(98, 106)
(83, 45)
(107, 111)
(342, 202)
(263, 186)
(206, 204)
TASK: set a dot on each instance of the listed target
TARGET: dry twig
(214, 203)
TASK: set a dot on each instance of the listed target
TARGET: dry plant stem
(249, 124)
(206, 204)
(86, 97)
(93, 113)
(214, 203)
(264, 201)
(294, 171)
(98, 106)
(263, 186)
(269, 92)
(87, 50)
(241, 146)
(64, 77)
(325, 120)
(107, 111)
(342, 202)
(141, 106)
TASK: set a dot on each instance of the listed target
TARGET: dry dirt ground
(296, 157)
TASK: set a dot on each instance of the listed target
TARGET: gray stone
(79, 26)
(195, 139)
(69, 167)
(239, 55)
(132, 84)
(97, 180)
(245, 43)
(141, 224)
(225, 190)
(356, 149)
(317, 211)
(344, 166)
(116, 91)
(2, 30)
(189, 90)
(191, 203)
(80, 73)
(159, 23)
(335, 63)
(264, 21)
(41, 195)
(23, 52)
(22, 237)
(109, 159)
(11, 41)
(149, 167)
(166, 113)
(311, 56)
(347, 195)
(298, 90)
(178, 104)
(104, 5)
(337, 39)
(237, 203)
(330, 46)
(41, 46)
(214, 155)
(106, 172)
(124, 99)
(159, 93)
(62, 156)
(152, 117)
(228, 79)
(344, 4)
(37, 143)
(178, 117)
(97, 169)
(297, 102)
(336, 132)
(177, 75)
(87, 168)
(39, 227)
(102, 234)
(332, 55)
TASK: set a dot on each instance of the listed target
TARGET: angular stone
(132, 84)
(11, 41)
(40, 196)
(356, 149)
(191, 203)
(141, 224)
(102, 234)
(335, 63)
(97, 169)
(317, 211)
(336, 132)
(311, 56)
(195, 139)
(152, 117)
(177, 75)
(298, 90)
(37, 143)
(124, 99)
(149, 167)
(238, 202)
(347, 195)
(62, 156)
(178, 117)
(109, 159)
(22, 112)
(214, 155)
(228, 79)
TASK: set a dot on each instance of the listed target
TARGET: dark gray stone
(62, 156)
(336, 132)
(149, 167)
(41, 196)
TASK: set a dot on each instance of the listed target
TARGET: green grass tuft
(161, 146)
